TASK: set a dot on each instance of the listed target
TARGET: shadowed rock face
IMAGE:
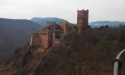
(14, 33)
(81, 55)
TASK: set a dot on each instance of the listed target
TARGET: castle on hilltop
(53, 33)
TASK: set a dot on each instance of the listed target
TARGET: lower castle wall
(36, 41)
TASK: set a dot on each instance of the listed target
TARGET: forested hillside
(90, 53)
(14, 33)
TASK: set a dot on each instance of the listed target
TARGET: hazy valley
(15, 33)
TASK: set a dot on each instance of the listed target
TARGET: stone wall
(36, 39)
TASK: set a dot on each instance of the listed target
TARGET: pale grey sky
(112, 10)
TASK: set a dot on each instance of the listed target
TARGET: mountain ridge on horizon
(42, 21)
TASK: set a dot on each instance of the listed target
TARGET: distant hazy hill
(42, 21)
(14, 34)
(109, 23)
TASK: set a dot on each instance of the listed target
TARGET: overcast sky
(112, 10)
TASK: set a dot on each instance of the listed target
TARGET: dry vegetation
(88, 54)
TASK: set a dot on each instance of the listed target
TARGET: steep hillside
(14, 33)
(42, 21)
(103, 23)
(87, 54)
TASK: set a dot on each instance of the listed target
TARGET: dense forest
(14, 33)
(90, 53)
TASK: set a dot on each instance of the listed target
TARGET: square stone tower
(82, 20)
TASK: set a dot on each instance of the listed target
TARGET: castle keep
(53, 33)
(82, 20)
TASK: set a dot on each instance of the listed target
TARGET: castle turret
(82, 20)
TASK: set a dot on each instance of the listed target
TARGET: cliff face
(90, 54)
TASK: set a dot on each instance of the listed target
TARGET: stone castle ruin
(53, 33)
(82, 20)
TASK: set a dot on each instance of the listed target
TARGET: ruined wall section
(50, 39)
(55, 41)
(36, 39)
(65, 26)
(44, 40)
